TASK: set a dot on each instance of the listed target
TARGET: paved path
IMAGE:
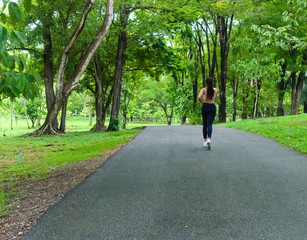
(164, 185)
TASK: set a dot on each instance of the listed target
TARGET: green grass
(291, 131)
(41, 156)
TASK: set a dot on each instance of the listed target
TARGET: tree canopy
(148, 59)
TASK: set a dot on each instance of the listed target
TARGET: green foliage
(183, 100)
(13, 80)
(117, 122)
(195, 119)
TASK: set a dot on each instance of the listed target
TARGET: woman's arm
(200, 95)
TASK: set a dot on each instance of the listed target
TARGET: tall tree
(64, 88)
(283, 28)
(125, 11)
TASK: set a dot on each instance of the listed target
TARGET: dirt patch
(38, 196)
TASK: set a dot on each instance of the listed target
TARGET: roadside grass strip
(41, 156)
(291, 131)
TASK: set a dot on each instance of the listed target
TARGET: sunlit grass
(41, 156)
(288, 130)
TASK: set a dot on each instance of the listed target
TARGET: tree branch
(26, 49)
(73, 82)
(72, 41)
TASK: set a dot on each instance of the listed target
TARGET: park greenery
(117, 62)
(64, 58)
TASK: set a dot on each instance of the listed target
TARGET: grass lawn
(291, 131)
(41, 156)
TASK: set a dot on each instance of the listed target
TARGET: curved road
(164, 185)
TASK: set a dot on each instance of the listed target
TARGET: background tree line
(148, 60)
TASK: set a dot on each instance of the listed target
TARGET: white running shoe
(208, 145)
(205, 144)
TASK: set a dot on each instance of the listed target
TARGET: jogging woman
(208, 110)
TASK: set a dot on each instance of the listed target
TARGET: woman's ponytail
(210, 91)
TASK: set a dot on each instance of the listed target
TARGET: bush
(194, 119)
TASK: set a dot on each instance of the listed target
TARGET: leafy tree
(161, 93)
(285, 30)
(67, 83)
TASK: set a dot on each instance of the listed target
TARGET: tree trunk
(245, 112)
(201, 53)
(98, 97)
(195, 94)
(101, 102)
(90, 115)
(258, 84)
(48, 69)
(235, 87)
(297, 86)
(120, 61)
(63, 116)
(99, 126)
(280, 108)
(125, 110)
(63, 89)
(33, 122)
(255, 105)
(282, 86)
(39, 121)
(224, 31)
(212, 63)
(26, 113)
(167, 117)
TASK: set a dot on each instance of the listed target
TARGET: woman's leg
(210, 118)
(205, 122)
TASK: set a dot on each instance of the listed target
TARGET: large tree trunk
(63, 116)
(120, 61)
(224, 30)
(102, 97)
(282, 86)
(63, 90)
(48, 70)
(297, 87)
(99, 126)
(102, 105)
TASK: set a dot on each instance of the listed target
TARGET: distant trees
(151, 59)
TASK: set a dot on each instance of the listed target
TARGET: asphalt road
(164, 185)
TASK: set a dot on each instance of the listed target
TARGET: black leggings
(208, 113)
